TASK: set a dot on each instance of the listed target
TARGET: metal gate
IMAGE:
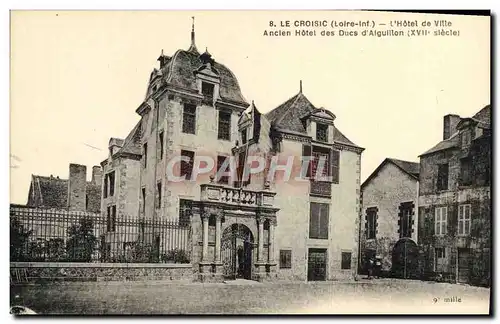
(316, 265)
(405, 256)
(237, 251)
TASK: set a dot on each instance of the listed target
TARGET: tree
(82, 241)
(18, 239)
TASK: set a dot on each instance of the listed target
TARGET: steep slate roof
(483, 117)
(410, 168)
(132, 144)
(53, 192)
(179, 69)
(287, 117)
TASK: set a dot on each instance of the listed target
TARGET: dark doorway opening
(316, 265)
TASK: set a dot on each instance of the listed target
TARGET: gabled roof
(482, 117)
(412, 169)
(52, 192)
(288, 116)
(132, 144)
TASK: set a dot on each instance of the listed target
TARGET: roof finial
(300, 91)
(192, 48)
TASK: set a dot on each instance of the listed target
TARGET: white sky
(77, 78)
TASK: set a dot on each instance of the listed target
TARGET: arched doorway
(405, 259)
(237, 248)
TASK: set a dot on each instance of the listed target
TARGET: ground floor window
(346, 260)
(285, 259)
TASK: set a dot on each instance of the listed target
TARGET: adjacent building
(243, 226)
(454, 227)
(389, 218)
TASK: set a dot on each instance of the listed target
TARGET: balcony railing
(236, 196)
(321, 188)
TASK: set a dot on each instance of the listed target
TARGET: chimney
(77, 187)
(450, 123)
(96, 175)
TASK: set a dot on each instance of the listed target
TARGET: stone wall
(77, 187)
(47, 271)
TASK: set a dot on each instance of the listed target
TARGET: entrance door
(316, 265)
(463, 265)
(237, 250)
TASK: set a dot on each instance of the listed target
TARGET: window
(220, 178)
(244, 136)
(143, 190)
(111, 177)
(111, 219)
(240, 172)
(105, 191)
(464, 219)
(161, 145)
(144, 155)
(405, 219)
(285, 259)
(318, 222)
(185, 210)
(440, 253)
(187, 166)
(335, 165)
(371, 223)
(466, 138)
(323, 155)
(189, 119)
(466, 171)
(321, 132)
(86, 202)
(158, 195)
(207, 89)
(346, 260)
(442, 179)
(440, 221)
(224, 131)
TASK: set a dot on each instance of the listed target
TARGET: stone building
(243, 226)
(74, 193)
(455, 200)
(389, 217)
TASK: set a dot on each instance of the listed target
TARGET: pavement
(378, 296)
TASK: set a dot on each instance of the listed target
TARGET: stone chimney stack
(450, 123)
(96, 175)
(77, 187)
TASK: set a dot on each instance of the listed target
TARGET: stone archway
(405, 256)
(237, 250)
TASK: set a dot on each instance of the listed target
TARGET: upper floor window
(318, 221)
(466, 171)
(111, 219)
(187, 164)
(464, 219)
(442, 178)
(244, 136)
(143, 192)
(321, 132)
(320, 165)
(466, 138)
(207, 89)
(158, 195)
(224, 129)
(145, 155)
(223, 179)
(405, 220)
(160, 138)
(371, 223)
(189, 119)
(440, 221)
(111, 177)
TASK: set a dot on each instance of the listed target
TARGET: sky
(77, 78)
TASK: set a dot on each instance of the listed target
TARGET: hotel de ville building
(249, 228)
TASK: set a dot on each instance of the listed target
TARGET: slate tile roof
(483, 117)
(410, 168)
(287, 117)
(132, 143)
(52, 192)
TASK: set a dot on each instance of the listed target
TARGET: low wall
(69, 271)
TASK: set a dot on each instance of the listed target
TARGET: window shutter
(307, 151)
(323, 222)
(334, 164)
(314, 221)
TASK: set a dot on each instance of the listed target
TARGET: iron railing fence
(49, 235)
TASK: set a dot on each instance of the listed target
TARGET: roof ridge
(277, 121)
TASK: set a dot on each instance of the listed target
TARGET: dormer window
(207, 89)
(321, 132)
